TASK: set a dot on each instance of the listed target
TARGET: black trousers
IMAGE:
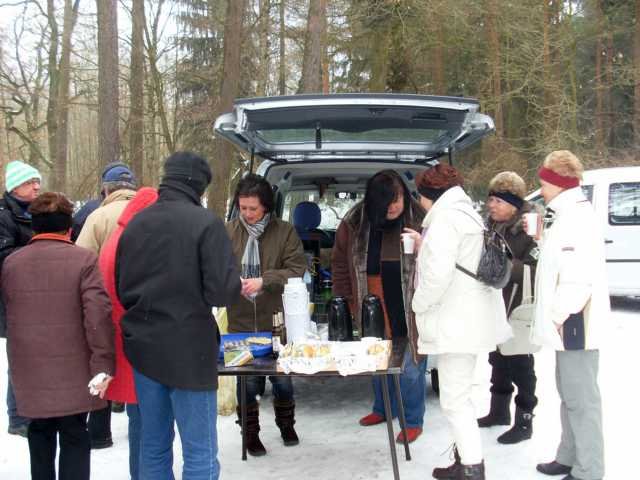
(515, 370)
(75, 448)
(100, 424)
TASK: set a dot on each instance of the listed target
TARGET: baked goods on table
(347, 358)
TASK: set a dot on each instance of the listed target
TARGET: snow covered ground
(333, 445)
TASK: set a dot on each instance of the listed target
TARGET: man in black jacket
(22, 184)
(174, 262)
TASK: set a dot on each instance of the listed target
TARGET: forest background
(86, 82)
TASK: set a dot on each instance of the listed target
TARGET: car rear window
(333, 205)
(308, 135)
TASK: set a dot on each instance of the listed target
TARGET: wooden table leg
(387, 414)
(243, 414)
(403, 421)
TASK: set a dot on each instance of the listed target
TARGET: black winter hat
(188, 168)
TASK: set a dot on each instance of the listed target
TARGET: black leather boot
(471, 472)
(285, 411)
(499, 413)
(254, 445)
(450, 472)
(521, 430)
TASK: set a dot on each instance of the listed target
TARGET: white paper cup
(532, 223)
(408, 243)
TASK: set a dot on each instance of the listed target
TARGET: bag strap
(484, 232)
(527, 296)
(468, 272)
(514, 289)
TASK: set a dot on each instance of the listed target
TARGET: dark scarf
(23, 205)
(170, 186)
(383, 258)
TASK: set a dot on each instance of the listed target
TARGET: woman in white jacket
(572, 306)
(457, 317)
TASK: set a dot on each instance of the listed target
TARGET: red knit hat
(439, 178)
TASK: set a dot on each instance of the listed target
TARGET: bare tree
(136, 89)
(601, 101)
(636, 71)
(157, 83)
(311, 80)
(108, 97)
(265, 47)
(218, 194)
(24, 87)
(59, 181)
(437, 53)
(283, 65)
(494, 62)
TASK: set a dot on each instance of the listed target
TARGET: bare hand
(525, 227)
(251, 286)
(417, 238)
(103, 386)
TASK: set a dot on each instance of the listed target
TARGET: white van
(615, 194)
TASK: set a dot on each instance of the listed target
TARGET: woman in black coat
(506, 205)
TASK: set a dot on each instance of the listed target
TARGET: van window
(624, 203)
(332, 207)
(588, 192)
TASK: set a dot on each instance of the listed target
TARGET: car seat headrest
(307, 216)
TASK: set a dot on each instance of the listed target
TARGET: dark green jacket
(281, 257)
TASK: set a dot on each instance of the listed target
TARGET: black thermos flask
(372, 317)
(340, 328)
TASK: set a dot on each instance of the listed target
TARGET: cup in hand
(408, 243)
(532, 220)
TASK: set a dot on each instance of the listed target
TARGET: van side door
(622, 236)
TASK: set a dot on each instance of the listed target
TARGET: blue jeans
(413, 386)
(282, 388)
(133, 412)
(15, 420)
(195, 413)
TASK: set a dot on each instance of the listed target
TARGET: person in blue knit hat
(22, 183)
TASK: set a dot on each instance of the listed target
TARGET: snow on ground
(333, 445)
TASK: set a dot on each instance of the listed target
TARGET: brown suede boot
(450, 472)
(471, 472)
(254, 445)
(285, 411)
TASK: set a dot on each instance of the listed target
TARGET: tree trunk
(494, 60)
(636, 71)
(439, 84)
(600, 88)
(52, 106)
(380, 57)
(108, 100)
(136, 90)
(547, 100)
(59, 180)
(282, 87)
(265, 21)
(311, 80)
(221, 163)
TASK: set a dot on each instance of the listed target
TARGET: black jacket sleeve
(220, 274)
(7, 236)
